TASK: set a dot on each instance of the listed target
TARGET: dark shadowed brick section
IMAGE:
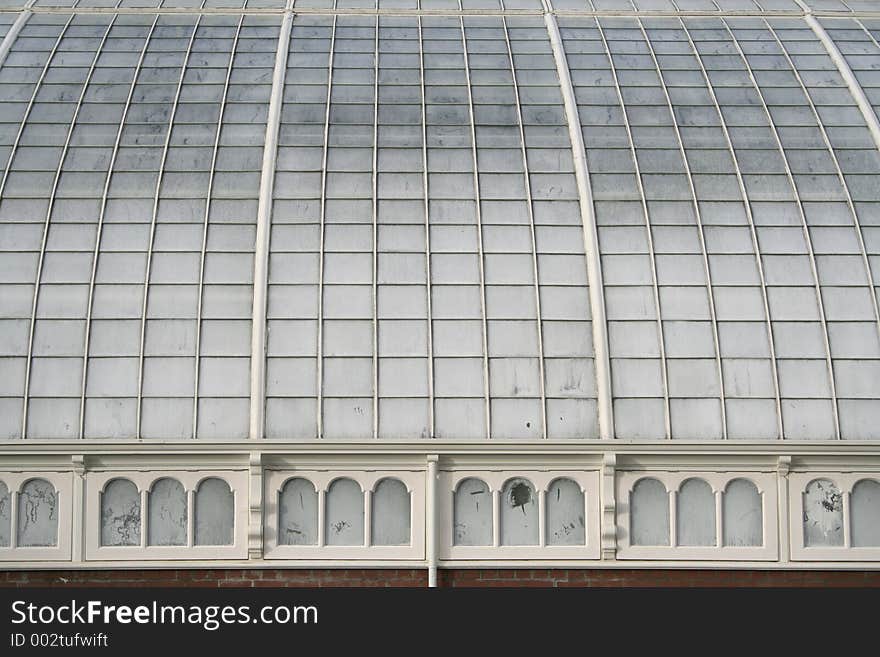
(385, 577)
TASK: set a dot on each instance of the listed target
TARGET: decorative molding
(608, 534)
(255, 506)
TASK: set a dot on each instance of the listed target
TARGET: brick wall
(327, 577)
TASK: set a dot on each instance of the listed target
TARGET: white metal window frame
(414, 480)
(845, 482)
(61, 551)
(588, 480)
(96, 482)
(718, 481)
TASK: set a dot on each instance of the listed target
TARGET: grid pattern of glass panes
(814, 225)
(43, 78)
(742, 118)
(120, 158)
(349, 300)
(720, 6)
(859, 42)
(194, 5)
(427, 274)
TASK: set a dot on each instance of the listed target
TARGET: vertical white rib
(261, 254)
(375, 183)
(591, 234)
(320, 329)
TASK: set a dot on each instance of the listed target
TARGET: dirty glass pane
(519, 513)
(742, 515)
(391, 513)
(565, 514)
(167, 513)
(649, 513)
(696, 513)
(823, 514)
(298, 513)
(37, 514)
(345, 513)
(215, 513)
(472, 513)
(5, 515)
(120, 513)
(865, 505)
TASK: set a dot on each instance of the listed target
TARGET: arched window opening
(345, 513)
(649, 513)
(472, 513)
(391, 514)
(565, 513)
(120, 514)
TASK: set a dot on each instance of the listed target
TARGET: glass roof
(427, 269)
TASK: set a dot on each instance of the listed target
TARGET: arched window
(649, 513)
(391, 514)
(167, 513)
(865, 504)
(742, 515)
(37, 514)
(472, 513)
(519, 513)
(345, 513)
(214, 513)
(298, 513)
(120, 514)
(565, 513)
(5, 516)
(695, 514)
(823, 514)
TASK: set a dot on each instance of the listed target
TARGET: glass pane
(167, 513)
(519, 513)
(120, 513)
(215, 513)
(472, 513)
(865, 514)
(298, 513)
(565, 513)
(742, 514)
(696, 513)
(391, 513)
(649, 513)
(823, 514)
(345, 513)
(37, 514)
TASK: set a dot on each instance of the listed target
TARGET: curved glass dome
(428, 221)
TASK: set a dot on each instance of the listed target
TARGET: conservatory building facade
(440, 285)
